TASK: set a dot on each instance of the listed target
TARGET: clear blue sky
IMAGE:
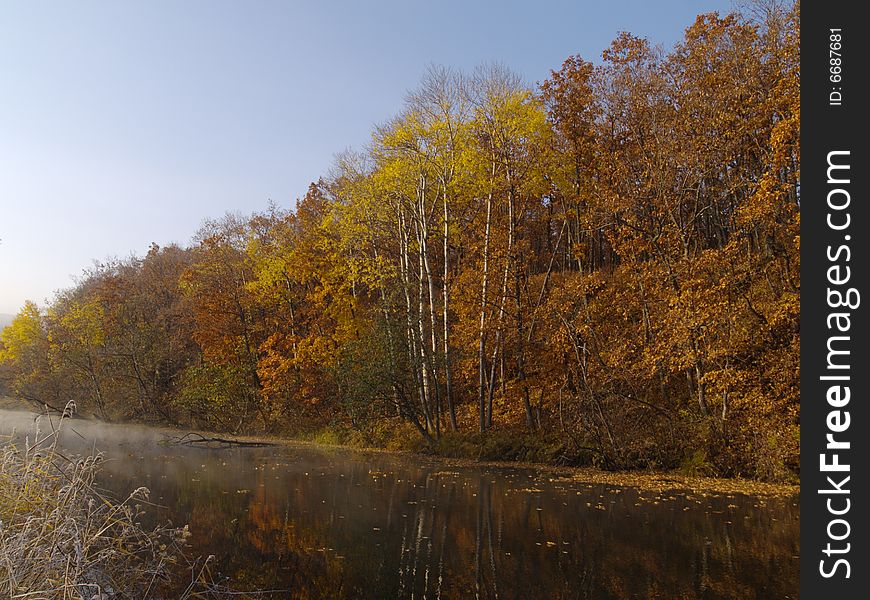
(123, 123)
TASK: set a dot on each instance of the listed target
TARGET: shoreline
(651, 481)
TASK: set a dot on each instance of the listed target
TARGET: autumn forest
(602, 268)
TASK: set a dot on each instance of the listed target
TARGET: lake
(313, 522)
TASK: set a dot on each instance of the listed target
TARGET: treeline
(609, 261)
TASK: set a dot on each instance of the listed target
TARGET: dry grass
(62, 538)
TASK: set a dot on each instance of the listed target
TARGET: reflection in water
(335, 524)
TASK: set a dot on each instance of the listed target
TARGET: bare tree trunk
(98, 392)
(405, 270)
(433, 330)
(501, 309)
(702, 396)
(448, 382)
(482, 389)
(421, 331)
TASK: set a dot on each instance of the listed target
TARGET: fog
(79, 435)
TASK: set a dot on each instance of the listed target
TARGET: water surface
(325, 523)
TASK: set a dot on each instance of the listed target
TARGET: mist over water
(325, 523)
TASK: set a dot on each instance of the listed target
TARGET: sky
(126, 123)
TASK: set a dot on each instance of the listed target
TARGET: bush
(696, 464)
(507, 445)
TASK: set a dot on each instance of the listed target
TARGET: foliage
(609, 264)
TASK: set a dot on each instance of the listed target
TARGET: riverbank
(477, 450)
(655, 481)
(648, 481)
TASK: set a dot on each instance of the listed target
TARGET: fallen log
(200, 441)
